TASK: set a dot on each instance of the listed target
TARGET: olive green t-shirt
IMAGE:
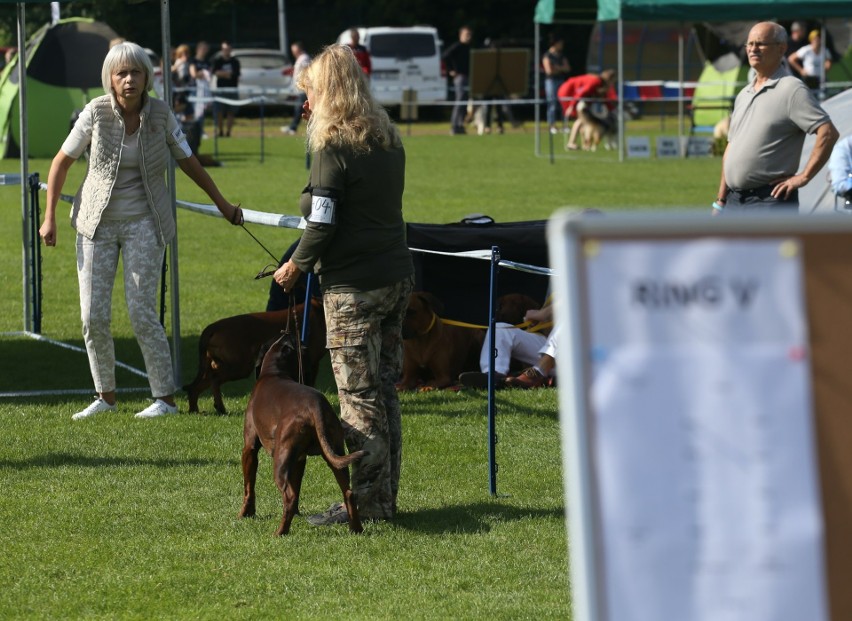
(355, 234)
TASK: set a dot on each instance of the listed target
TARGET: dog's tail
(203, 344)
(337, 461)
(343, 461)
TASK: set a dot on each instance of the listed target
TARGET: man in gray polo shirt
(771, 116)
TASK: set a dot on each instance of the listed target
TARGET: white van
(403, 58)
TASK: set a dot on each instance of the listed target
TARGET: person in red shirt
(362, 55)
(578, 88)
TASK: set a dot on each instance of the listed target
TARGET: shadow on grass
(27, 364)
(523, 402)
(60, 460)
(474, 518)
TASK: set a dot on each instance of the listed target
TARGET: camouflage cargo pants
(97, 266)
(365, 342)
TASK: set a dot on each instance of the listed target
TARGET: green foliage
(118, 518)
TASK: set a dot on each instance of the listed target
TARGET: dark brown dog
(512, 307)
(435, 353)
(291, 421)
(231, 348)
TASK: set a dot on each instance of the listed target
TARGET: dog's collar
(431, 324)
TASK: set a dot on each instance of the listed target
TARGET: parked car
(403, 59)
(267, 72)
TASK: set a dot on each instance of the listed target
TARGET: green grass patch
(115, 518)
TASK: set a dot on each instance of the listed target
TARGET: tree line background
(254, 23)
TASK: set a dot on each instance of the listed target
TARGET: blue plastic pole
(306, 312)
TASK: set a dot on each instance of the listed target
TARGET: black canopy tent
(462, 283)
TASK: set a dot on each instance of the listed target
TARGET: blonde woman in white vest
(123, 207)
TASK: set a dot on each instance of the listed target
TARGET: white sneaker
(158, 408)
(97, 406)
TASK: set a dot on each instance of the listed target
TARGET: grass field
(118, 518)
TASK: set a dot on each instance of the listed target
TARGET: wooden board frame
(826, 242)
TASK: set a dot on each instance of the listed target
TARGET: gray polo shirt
(768, 130)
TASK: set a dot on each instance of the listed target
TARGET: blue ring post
(306, 312)
(492, 406)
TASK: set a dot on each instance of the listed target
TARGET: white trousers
(550, 344)
(97, 265)
(511, 342)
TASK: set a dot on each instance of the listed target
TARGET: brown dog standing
(229, 349)
(291, 421)
(435, 352)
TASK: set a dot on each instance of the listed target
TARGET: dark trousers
(457, 118)
(757, 200)
(297, 110)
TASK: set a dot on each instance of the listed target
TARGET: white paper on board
(703, 441)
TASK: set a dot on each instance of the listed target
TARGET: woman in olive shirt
(355, 242)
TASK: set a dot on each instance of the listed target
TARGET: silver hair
(126, 54)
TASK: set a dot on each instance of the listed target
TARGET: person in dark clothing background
(457, 60)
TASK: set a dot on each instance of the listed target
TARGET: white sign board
(668, 146)
(638, 146)
(699, 146)
(699, 434)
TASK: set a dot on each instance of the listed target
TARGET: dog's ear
(431, 302)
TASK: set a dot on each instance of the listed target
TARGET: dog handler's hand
(48, 232)
(236, 217)
(287, 275)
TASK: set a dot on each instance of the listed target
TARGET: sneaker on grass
(475, 379)
(528, 378)
(96, 407)
(335, 514)
(158, 408)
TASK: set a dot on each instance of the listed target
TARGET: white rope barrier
(274, 95)
(485, 255)
(249, 215)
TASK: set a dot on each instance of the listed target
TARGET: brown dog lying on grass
(231, 348)
(435, 353)
(291, 421)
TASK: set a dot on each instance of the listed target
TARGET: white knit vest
(107, 134)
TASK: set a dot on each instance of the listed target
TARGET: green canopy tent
(720, 10)
(551, 12)
(565, 11)
(63, 73)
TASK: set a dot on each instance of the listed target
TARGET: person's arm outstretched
(55, 181)
(195, 171)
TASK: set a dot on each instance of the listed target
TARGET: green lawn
(118, 518)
